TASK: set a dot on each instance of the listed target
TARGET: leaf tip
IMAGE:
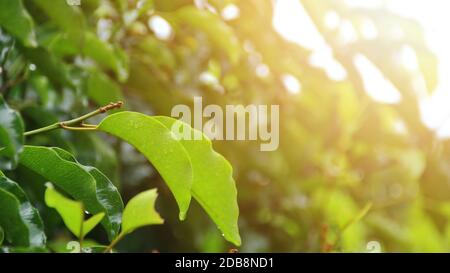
(234, 239)
(182, 215)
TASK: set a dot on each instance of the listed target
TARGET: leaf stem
(114, 242)
(67, 125)
(81, 237)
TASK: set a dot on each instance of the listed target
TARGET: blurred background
(364, 99)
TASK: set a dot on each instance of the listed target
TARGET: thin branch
(114, 242)
(71, 124)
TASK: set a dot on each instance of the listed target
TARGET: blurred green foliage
(344, 174)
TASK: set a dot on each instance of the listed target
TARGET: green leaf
(23, 250)
(2, 236)
(92, 222)
(59, 44)
(217, 30)
(13, 219)
(156, 52)
(102, 89)
(11, 136)
(72, 213)
(66, 17)
(92, 150)
(106, 55)
(48, 65)
(16, 20)
(160, 147)
(140, 211)
(107, 193)
(82, 183)
(213, 187)
(30, 215)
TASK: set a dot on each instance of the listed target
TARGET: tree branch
(71, 124)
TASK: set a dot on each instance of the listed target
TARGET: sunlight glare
(375, 84)
(230, 12)
(160, 27)
(332, 19)
(432, 15)
(289, 15)
(291, 83)
(369, 30)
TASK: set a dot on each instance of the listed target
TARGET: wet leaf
(157, 143)
(75, 180)
(11, 136)
(213, 186)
